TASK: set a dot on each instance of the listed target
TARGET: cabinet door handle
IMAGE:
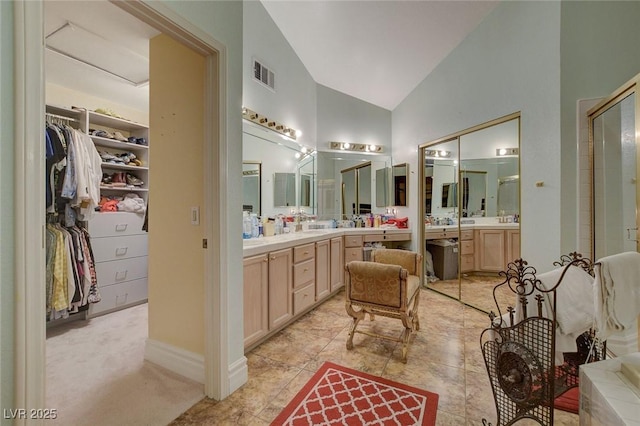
(273, 258)
(305, 270)
(121, 251)
(121, 227)
(306, 252)
(121, 275)
(265, 259)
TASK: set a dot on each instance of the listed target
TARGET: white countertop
(437, 228)
(256, 246)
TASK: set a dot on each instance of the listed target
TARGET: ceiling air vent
(264, 75)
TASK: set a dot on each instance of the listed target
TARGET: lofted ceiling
(376, 51)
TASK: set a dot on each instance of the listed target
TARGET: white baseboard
(178, 360)
(238, 374)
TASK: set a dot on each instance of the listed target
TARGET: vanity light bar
(501, 152)
(277, 127)
(434, 153)
(357, 147)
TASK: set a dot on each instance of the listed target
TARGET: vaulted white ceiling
(377, 51)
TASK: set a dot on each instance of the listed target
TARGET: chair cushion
(375, 283)
(404, 258)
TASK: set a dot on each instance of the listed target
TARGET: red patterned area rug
(337, 395)
(568, 401)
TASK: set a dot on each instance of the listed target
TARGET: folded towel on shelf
(616, 293)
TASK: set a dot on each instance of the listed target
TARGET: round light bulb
(297, 155)
(503, 151)
(304, 150)
(346, 145)
(443, 153)
(298, 133)
(372, 148)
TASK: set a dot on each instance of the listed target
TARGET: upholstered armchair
(389, 286)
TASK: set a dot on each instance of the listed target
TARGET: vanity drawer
(301, 253)
(117, 271)
(352, 253)
(466, 234)
(437, 234)
(304, 272)
(387, 237)
(119, 295)
(353, 241)
(303, 298)
(466, 262)
(466, 247)
(110, 224)
(114, 248)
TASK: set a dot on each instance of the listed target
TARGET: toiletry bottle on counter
(246, 225)
(255, 232)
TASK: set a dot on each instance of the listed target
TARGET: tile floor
(444, 358)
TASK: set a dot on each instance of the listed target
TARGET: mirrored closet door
(470, 191)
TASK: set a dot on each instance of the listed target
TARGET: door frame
(30, 327)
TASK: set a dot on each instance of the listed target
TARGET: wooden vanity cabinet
(280, 287)
(323, 269)
(495, 248)
(337, 264)
(467, 251)
(304, 277)
(256, 298)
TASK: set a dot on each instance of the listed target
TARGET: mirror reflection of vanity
(252, 186)
(470, 201)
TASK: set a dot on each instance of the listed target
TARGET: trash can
(445, 258)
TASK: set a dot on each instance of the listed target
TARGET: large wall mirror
(288, 176)
(351, 183)
(470, 188)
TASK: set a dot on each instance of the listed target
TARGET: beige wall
(176, 290)
(65, 97)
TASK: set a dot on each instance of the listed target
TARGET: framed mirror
(306, 184)
(252, 187)
(400, 180)
(471, 205)
(382, 187)
(284, 189)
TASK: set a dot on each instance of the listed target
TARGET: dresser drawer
(353, 241)
(302, 253)
(115, 248)
(109, 224)
(352, 253)
(119, 295)
(304, 272)
(303, 298)
(117, 271)
(466, 247)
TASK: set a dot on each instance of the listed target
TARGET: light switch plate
(195, 215)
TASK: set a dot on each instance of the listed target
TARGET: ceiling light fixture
(433, 153)
(265, 122)
(357, 147)
(502, 152)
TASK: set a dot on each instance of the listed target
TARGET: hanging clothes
(73, 175)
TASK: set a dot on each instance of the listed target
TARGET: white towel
(617, 293)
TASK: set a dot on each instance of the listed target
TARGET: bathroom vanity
(287, 275)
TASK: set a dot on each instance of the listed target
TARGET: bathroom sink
(249, 243)
(315, 232)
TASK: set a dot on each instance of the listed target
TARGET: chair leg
(357, 317)
(405, 343)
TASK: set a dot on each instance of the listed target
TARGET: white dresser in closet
(120, 250)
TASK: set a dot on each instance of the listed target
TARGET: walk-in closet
(99, 149)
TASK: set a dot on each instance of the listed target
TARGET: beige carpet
(96, 374)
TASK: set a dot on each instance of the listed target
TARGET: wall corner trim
(238, 374)
(178, 360)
